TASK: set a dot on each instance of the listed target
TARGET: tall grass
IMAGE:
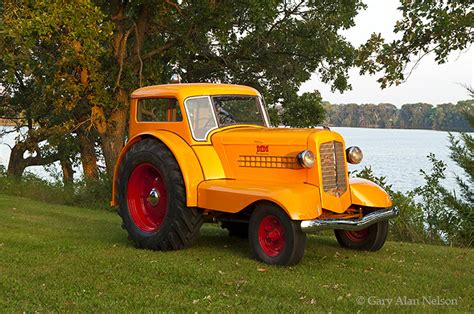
(83, 193)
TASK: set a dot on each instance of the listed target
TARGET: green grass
(61, 258)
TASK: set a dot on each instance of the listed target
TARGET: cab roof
(193, 89)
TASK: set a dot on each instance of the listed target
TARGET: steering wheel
(226, 117)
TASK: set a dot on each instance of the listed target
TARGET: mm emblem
(262, 148)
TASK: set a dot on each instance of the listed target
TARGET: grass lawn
(60, 258)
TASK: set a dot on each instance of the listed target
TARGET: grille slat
(333, 168)
(285, 162)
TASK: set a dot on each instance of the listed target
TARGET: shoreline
(5, 122)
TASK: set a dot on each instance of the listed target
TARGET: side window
(201, 116)
(158, 110)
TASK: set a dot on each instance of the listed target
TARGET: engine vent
(333, 168)
(285, 162)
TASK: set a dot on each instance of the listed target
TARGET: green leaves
(303, 111)
(427, 26)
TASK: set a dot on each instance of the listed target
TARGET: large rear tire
(371, 238)
(152, 199)
(275, 238)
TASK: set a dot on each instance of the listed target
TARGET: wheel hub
(271, 236)
(153, 197)
(357, 236)
(147, 197)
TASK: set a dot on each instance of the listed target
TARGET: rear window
(158, 110)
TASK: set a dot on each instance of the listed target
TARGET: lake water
(400, 154)
(396, 154)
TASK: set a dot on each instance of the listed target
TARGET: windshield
(238, 110)
(208, 113)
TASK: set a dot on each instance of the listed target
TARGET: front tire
(152, 199)
(275, 238)
(371, 238)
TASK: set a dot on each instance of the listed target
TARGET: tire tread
(183, 229)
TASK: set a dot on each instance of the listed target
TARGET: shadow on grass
(323, 240)
(212, 237)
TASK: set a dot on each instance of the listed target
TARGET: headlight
(354, 155)
(306, 158)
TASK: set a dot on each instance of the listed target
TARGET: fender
(299, 200)
(367, 193)
(188, 162)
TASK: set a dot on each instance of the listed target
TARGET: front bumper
(312, 226)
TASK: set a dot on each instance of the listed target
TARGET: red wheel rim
(357, 236)
(271, 236)
(146, 197)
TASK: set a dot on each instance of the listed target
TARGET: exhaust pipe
(311, 226)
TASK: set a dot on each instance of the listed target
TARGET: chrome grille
(332, 168)
(286, 162)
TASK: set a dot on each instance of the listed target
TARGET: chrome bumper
(311, 226)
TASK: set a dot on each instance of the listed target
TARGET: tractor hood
(262, 153)
(270, 154)
(267, 136)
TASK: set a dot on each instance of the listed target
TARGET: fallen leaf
(262, 270)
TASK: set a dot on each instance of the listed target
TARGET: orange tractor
(206, 152)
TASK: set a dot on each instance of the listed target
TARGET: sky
(429, 82)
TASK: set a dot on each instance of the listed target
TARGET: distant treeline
(447, 117)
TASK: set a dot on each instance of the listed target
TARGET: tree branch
(159, 50)
(121, 56)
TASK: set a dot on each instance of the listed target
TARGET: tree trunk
(16, 164)
(88, 156)
(113, 138)
(112, 127)
(68, 172)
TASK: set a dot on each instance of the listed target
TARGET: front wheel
(275, 238)
(371, 238)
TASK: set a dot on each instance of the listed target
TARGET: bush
(84, 193)
(431, 213)
(409, 225)
(448, 215)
